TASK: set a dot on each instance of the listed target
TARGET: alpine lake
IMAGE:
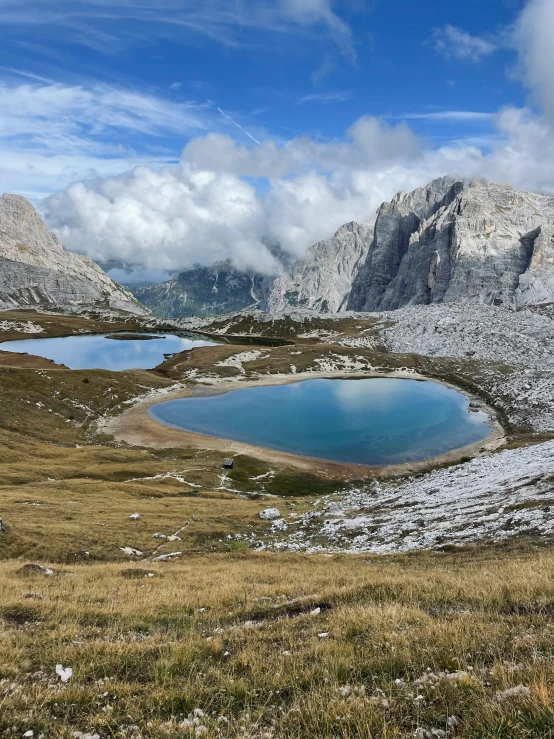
(371, 421)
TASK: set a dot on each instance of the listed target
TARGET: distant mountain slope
(206, 291)
(35, 270)
(322, 280)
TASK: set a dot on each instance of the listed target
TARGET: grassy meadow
(264, 645)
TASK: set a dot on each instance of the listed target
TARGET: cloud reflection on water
(99, 352)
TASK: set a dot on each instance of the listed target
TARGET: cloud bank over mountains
(224, 199)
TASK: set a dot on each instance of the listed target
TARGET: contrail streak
(239, 126)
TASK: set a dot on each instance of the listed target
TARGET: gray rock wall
(322, 280)
(35, 269)
(481, 243)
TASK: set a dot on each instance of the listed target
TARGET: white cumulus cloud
(227, 201)
(533, 34)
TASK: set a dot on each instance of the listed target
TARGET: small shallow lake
(376, 421)
(101, 351)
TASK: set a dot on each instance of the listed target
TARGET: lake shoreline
(135, 426)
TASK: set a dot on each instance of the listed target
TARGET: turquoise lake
(99, 351)
(376, 421)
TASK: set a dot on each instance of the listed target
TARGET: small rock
(165, 557)
(134, 516)
(2, 527)
(323, 635)
(315, 612)
(64, 673)
(30, 569)
(452, 721)
(29, 733)
(269, 514)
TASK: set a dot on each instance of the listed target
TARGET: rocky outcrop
(454, 241)
(322, 280)
(206, 291)
(36, 271)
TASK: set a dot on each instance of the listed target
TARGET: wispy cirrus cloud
(452, 116)
(51, 133)
(108, 26)
(338, 96)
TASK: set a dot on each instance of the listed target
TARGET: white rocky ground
(23, 327)
(237, 359)
(524, 338)
(490, 498)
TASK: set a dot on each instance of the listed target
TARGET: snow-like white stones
(237, 359)
(269, 514)
(22, 327)
(166, 557)
(64, 673)
(493, 497)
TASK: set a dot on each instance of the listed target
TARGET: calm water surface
(376, 421)
(100, 352)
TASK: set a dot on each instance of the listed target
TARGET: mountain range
(206, 291)
(450, 241)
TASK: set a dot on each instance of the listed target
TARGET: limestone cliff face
(451, 242)
(322, 280)
(35, 270)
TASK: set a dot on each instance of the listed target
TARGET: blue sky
(90, 89)
(273, 72)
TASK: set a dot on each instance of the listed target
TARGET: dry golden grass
(236, 636)
(63, 325)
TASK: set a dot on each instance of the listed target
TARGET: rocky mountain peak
(37, 270)
(485, 243)
(322, 279)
